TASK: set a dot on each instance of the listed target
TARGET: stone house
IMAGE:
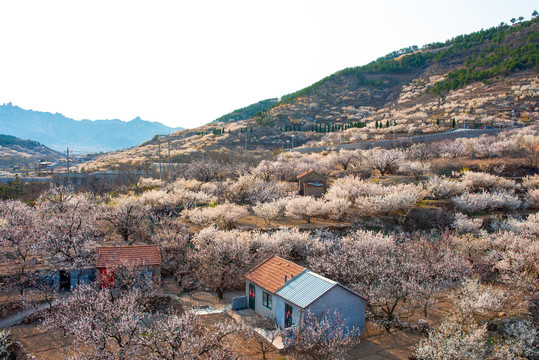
(312, 183)
(146, 258)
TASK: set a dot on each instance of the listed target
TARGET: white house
(280, 289)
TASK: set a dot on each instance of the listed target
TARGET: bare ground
(376, 344)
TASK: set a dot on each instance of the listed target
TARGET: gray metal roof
(305, 288)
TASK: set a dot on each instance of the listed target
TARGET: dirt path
(17, 318)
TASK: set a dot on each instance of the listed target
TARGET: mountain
(15, 151)
(86, 136)
(486, 78)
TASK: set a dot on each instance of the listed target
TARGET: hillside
(15, 151)
(59, 132)
(487, 78)
(248, 111)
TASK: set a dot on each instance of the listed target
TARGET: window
(266, 300)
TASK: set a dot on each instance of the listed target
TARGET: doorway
(251, 296)
(65, 284)
(288, 315)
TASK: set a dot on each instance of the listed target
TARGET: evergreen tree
(453, 123)
(387, 123)
(376, 125)
(437, 121)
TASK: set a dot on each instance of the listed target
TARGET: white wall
(259, 307)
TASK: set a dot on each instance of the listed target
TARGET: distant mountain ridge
(59, 132)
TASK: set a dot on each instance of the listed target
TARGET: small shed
(282, 290)
(312, 183)
(146, 258)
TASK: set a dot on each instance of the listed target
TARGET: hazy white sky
(185, 63)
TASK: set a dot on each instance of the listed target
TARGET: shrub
(384, 160)
(335, 209)
(401, 198)
(372, 198)
(5, 344)
(267, 211)
(223, 216)
(463, 224)
(533, 198)
(304, 208)
(485, 181)
(528, 226)
(148, 183)
(515, 257)
(287, 243)
(441, 187)
(414, 168)
(473, 202)
(531, 182)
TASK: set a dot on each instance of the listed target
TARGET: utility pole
(159, 153)
(67, 167)
(168, 175)
(298, 334)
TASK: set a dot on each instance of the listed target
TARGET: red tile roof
(113, 256)
(305, 173)
(271, 273)
(310, 171)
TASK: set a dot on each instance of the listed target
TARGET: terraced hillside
(488, 78)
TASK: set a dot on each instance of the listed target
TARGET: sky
(185, 63)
